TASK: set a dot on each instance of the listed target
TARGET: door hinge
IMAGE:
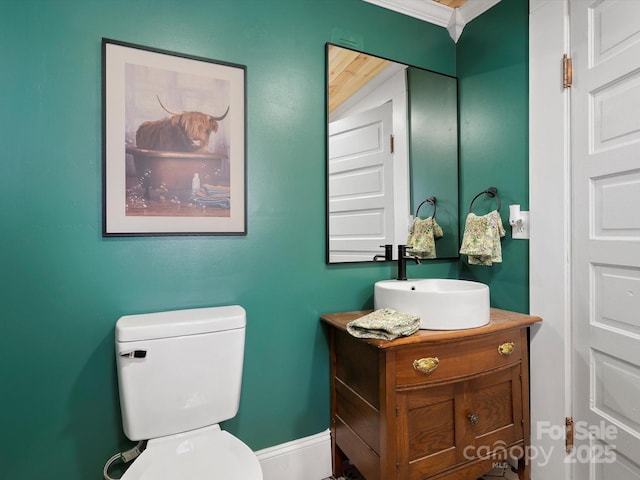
(391, 141)
(397, 411)
(569, 431)
(567, 71)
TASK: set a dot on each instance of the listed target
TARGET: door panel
(360, 185)
(605, 133)
(616, 217)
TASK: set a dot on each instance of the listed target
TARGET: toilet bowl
(179, 376)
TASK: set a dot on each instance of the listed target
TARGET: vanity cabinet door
(444, 426)
(493, 412)
(428, 433)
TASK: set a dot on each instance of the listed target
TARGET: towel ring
(491, 192)
(431, 201)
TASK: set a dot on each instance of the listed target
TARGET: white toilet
(179, 374)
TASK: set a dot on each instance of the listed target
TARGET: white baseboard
(307, 458)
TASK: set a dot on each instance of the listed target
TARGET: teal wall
(492, 67)
(63, 286)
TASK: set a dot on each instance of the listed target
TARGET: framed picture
(174, 143)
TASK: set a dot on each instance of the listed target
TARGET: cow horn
(217, 119)
(165, 108)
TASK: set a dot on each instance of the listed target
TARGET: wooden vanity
(434, 405)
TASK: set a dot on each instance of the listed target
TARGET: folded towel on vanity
(422, 237)
(481, 239)
(384, 324)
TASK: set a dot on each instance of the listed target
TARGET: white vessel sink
(441, 304)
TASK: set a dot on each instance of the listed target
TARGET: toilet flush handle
(134, 354)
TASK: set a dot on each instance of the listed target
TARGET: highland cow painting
(174, 143)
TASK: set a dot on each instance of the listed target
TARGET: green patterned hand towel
(422, 236)
(384, 324)
(481, 239)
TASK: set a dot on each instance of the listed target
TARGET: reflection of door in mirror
(360, 175)
(375, 185)
(368, 188)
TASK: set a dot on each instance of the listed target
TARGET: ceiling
(451, 3)
(451, 14)
(348, 71)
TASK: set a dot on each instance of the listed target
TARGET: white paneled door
(360, 185)
(605, 116)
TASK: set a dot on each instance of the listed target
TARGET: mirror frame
(413, 202)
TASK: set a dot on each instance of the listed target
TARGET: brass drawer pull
(506, 349)
(426, 365)
(474, 419)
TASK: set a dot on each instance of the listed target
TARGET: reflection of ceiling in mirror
(348, 71)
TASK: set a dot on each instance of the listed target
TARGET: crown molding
(426, 10)
(453, 19)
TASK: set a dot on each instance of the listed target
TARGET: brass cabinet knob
(506, 349)
(426, 365)
(473, 418)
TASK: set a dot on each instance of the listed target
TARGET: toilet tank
(179, 370)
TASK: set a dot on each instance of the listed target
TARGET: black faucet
(402, 261)
(388, 254)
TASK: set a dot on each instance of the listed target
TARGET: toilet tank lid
(178, 323)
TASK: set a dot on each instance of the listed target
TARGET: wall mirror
(392, 143)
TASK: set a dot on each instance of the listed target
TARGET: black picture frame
(174, 143)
